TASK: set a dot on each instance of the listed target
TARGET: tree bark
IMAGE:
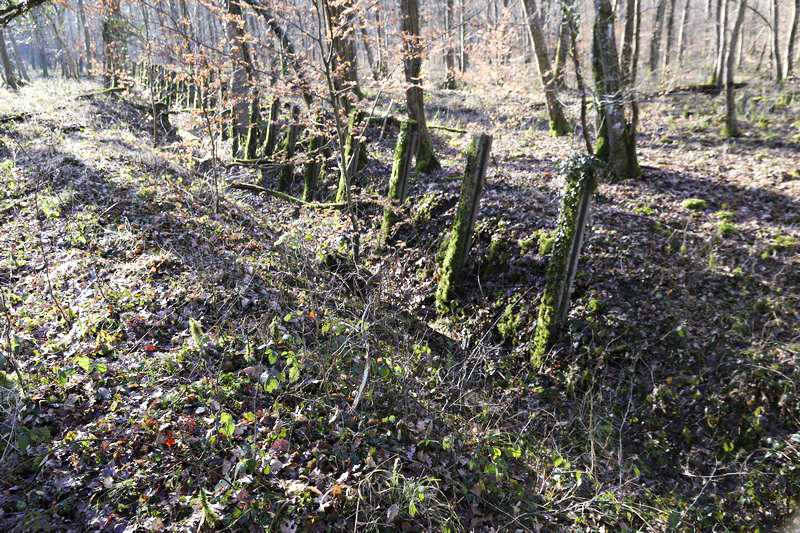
(86, 38)
(682, 32)
(776, 52)
(412, 65)
(655, 42)
(558, 122)
(450, 53)
(731, 125)
(616, 140)
(670, 34)
(722, 29)
(23, 72)
(11, 77)
(565, 36)
(242, 72)
(627, 40)
(791, 38)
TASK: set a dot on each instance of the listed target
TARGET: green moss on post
(288, 149)
(271, 135)
(251, 145)
(460, 238)
(353, 145)
(401, 167)
(568, 237)
(313, 168)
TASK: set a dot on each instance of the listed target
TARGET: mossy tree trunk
(563, 265)
(287, 169)
(616, 140)
(558, 122)
(412, 66)
(253, 129)
(731, 125)
(401, 168)
(460, 238)
(313, 166)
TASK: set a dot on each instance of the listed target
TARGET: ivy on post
(404, 152)
(576, 198)
(287, 169)
(460, 238)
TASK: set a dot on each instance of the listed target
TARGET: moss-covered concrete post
(313, 166)
(271, 135)
(404, 152)
(568, 238)
(460, 238)
(253, 129)
(288, 149)
(353, 147)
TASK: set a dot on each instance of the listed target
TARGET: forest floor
(186, 370)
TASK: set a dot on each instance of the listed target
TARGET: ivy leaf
(227, 426)
(84, 362)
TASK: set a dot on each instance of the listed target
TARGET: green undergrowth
(185, 369)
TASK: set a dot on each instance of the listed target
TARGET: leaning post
(576, 199)
(460, 238)
(404, 152)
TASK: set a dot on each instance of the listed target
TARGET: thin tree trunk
(20, 63)
(731, 126)
(719, 71)
(412, 65)
(72, 68)
(449, 53)
(776, 52)
(658, 26)
(242, 73)
(682, 32)
(368, 50)
(791, 38)
(670, 33)
(564, 37)
(11, 78)
(558, 122)
(637, 42)
(462, 53)
(627, 40)
(86, 38)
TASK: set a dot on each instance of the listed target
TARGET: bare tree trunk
(616, 141)
(731, 126)
(242, 73)
(412, 65)
(558, 122)
(564, 37)
(72, 68)
(462, 52)
(670, 34)
(340, 25)
(627, 40)
(682, 32)
(20, 63)
(655, 42)
(776, 52)
(449, 53)
(368, 50)
(86, 38)
(791, 38)
(11, 78)
(115, 48)
(722, 25)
